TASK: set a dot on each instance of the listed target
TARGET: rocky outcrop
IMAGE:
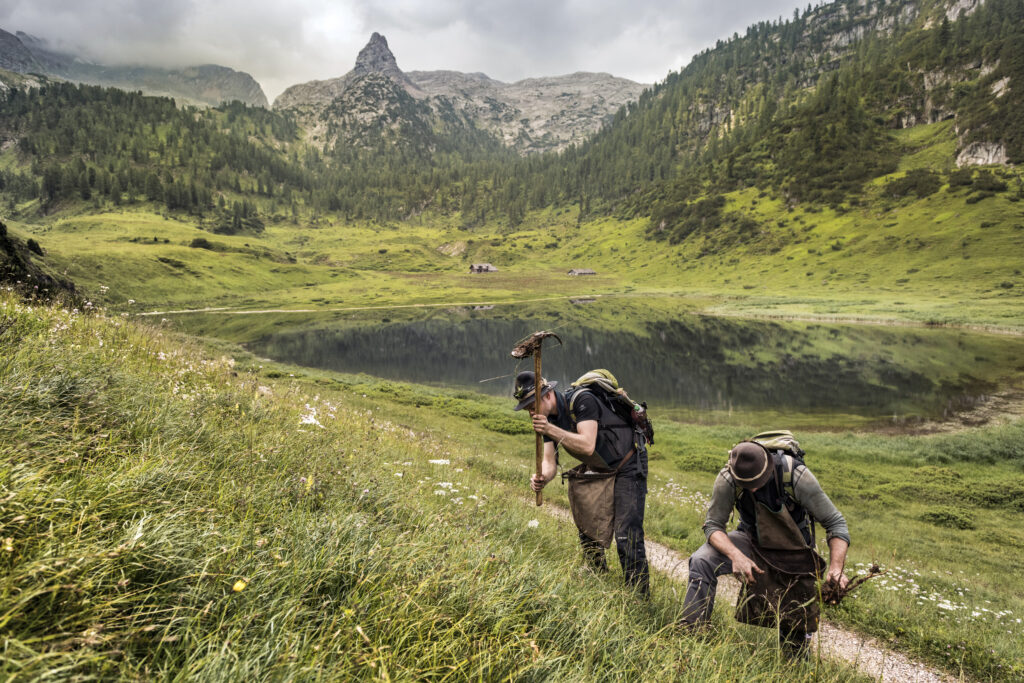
(1000, 87)
(14, 56)
(377, 58)
(982, 154)
(532, 115)
(205, 85)
(965, 6)
(17, 269)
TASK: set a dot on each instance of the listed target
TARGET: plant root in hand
(832, 594)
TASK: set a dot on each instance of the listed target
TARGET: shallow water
(690, 363)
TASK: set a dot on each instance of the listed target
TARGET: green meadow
(172, 508)
(942, 258)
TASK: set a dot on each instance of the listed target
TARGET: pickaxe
(531, 346)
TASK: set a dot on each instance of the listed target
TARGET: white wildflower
(533, 524)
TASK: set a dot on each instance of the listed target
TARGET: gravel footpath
(866, 654)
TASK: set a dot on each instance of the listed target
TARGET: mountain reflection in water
(701, 363)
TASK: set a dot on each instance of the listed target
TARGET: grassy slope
(164, 513)
(142, 478)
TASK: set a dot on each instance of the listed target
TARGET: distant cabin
(582, 271)
(482, 268)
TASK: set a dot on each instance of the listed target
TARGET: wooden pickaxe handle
(536, 409)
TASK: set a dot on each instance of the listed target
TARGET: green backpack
(782, 442)
(603, 385)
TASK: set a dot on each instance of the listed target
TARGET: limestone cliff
(532, 115)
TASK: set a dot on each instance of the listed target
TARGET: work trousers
(706, 565)
(630, 498)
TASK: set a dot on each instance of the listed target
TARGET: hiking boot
(795, 646)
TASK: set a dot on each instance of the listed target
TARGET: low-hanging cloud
(285, 43)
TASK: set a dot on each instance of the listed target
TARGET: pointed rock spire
(376, 57)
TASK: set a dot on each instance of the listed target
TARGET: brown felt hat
(749, 465)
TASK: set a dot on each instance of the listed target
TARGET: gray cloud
(282, 43)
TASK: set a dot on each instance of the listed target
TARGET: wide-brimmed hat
(524, 390)
(749, 465)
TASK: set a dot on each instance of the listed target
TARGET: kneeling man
(771, 551)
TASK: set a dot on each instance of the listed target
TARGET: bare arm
(836, 561)
(580, 442)
(547, 468)
(743, 567)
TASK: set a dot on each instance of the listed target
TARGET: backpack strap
(572, 403)
(789, 478)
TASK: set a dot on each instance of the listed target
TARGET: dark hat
(523, 392)
(749, 465)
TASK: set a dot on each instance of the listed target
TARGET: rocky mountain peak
(377, 58)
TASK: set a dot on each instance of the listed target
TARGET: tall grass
(168, 515)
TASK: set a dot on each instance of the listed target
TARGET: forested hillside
(803, 109)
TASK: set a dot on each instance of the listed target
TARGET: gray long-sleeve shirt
(806, 490)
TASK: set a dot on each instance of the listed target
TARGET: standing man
(594, 434)
(771, 551)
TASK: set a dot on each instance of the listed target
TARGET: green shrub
(919, 182)
(467, 409)
(986, 181)
(961, 178)
(507, 425)
(949, 517)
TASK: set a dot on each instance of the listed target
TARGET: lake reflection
(692, 362)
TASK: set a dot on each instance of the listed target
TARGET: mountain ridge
(537, 114)
(204, 84)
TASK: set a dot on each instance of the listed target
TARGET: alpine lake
(687, 367)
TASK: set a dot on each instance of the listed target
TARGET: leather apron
(786, 594)
(592, 500)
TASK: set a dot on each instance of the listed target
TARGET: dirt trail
(865, 654)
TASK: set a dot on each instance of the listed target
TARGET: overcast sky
(283, 42)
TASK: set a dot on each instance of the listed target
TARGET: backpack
(781, 442)
(603, 385)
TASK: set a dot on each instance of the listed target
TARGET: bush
(949, 517)
(986, 181)
(961, 178)
(34, 247)
(507, 425)
(201, 243)
(919, 182)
